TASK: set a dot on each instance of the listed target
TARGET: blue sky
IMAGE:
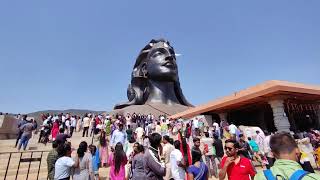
(79, 54)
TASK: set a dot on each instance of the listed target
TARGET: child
(95, 161)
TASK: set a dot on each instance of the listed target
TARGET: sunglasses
(228, 148)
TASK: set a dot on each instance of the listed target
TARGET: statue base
(156, 109)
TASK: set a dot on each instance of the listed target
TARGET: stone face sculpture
(155, 77)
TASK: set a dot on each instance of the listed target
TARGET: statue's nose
(169, 58)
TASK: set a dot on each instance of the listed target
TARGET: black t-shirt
(62, 138)
(129, 133)
(246, 149)
(219, 147)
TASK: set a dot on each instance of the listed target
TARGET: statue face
(161, 64)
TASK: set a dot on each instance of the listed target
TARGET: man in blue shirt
(119, 135)
(20, 124)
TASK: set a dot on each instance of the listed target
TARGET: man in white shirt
(233, 130)
(44, 126)
(86, 124)
(166, 151)
(158, 128)
(267, 150)
(195, 127)
(64, 164)
(260, 141)
(216, 125)
(119, 135)
(139, 132)
(128, 119)
(177, 162)
(73, 124)
(67, 124)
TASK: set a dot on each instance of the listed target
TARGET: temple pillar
(280, 118)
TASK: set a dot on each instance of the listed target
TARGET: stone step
(33, 170)
(14, 164)
(42, 176)
(22, 165)
(24, 155)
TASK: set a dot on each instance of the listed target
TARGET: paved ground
(8, 146)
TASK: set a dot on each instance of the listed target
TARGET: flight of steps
(23, 169)
(7, 146)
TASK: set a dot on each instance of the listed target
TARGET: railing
(21, 159)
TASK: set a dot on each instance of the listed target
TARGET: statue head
(155, 62)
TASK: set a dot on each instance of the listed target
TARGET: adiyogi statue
(154, 79)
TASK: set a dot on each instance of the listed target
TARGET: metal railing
(21, 159)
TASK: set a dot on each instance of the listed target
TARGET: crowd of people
(137, 146)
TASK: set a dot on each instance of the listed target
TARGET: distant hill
(78, 112)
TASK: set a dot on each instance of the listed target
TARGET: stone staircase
(35, 148)
(24, 166)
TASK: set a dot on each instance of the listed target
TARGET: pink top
(121, 173)
(55, 129)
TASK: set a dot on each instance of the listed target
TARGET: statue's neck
(162, 92)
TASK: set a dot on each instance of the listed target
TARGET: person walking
(85, 170)
(119, 135)
(55, 129)
(166, 151)
(79, 123)
(129, 132)
(86, 124)
(103, 144)
(73, 124)
(245, 149)
(155, 170)
(63, 166)
(62, 137)
(51, 160)
(196, 148)
(267, 150)
(198, 170)
(95, 161)
(255, 150)
(138, 162)
(219, 147)
(209, 154)
(26, 135)
(20, 123)
(92, 126)
(259, 140)
(139, 132)
(117, 161)
(177, 162)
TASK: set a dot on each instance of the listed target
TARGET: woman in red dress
(55, 129)
(185, 149)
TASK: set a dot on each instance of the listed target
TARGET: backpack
(297, 175)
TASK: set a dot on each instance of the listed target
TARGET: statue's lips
(169, 64)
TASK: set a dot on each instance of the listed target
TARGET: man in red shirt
(237, 168)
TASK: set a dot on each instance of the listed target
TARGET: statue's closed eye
(157, 53)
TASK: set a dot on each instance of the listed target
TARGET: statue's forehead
(160, 44)
(164, 46)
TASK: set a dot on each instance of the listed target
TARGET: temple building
(273, 106)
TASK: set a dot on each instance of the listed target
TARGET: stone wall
(8, 127)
